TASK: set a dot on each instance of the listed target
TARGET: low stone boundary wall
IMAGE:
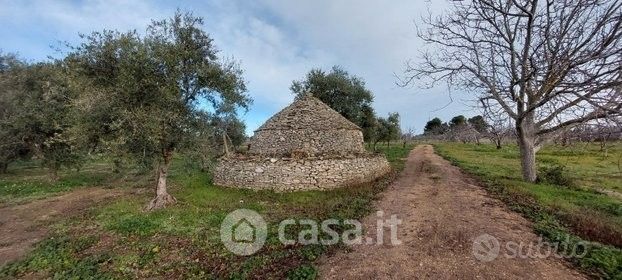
(285, 174)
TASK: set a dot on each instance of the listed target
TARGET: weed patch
(555, 174)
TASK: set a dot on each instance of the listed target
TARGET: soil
(21, 226)
(448, 221)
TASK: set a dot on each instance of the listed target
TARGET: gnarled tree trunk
(162, 198)
(527, 144)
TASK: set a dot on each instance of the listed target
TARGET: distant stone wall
(284, 174)
(312, 142)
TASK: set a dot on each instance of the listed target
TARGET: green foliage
(343, 92)
(147, 97)
(304, 272)
(479, 124)
(36, 118)
(389, 128)
(56, 256)
(233, 127)
(555, 174)
(457, 121)
(434, 127)
(369, 124)
(457, 124)
(11, 145)
(135, 225)
(141, 94)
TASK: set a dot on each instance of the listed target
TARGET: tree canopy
(457, 121)
(145, 95)
(434, 126)
(36, 117)
(341, 91)
(388, 128)
(479, 123)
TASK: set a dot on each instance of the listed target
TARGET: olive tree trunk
(162, 198)
(54, 173)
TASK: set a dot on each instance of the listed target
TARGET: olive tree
(388, 129)
(548, 65)
(148, 94)
(10, 141)
(36, 115)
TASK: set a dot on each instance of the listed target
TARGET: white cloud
(69, 18)
(276, 41)
(371, 39)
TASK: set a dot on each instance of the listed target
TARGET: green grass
(184, 240)
(26, 181)
(395, 154)
(589, 209)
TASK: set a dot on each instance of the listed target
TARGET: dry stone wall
(286, 174)
(311, 142)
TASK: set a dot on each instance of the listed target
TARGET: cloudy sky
(275, 41)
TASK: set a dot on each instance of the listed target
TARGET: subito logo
(243, 232)
(485, 247)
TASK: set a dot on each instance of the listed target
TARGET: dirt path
(443, 213)
(23, 225)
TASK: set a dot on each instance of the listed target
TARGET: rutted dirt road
(23, 225)
(442, 212)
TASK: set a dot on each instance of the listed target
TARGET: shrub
(302, 273)
(555, 174)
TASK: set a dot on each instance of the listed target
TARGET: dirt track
(23, 225)
(442, 213)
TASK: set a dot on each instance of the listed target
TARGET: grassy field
(119, 240)
(26, 180)
(578, 198)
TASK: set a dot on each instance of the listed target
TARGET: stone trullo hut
(305, 146)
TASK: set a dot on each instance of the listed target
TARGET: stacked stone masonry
(306, 146)
(286, 174)
(310, 127)
(307, 141)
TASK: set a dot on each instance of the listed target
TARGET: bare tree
(464, 133)
(500, 126)
(605, 131)
(549, 65)
(499, 132)
(407, 136)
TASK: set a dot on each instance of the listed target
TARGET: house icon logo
(243, 232)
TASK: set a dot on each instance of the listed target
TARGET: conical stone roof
(308, 112)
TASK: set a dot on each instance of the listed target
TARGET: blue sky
(275, 42)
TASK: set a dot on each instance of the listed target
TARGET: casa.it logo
(243, 232)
